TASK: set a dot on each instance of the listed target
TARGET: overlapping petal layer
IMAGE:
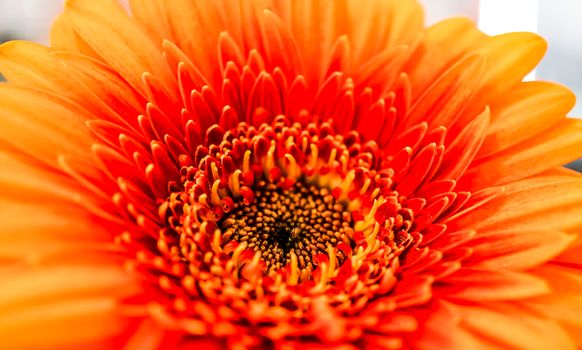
(464, 229)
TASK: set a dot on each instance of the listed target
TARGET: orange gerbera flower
(285, 174)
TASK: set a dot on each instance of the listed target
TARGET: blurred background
(559, 21)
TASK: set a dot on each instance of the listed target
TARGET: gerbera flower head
(285, 174)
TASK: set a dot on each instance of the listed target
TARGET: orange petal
(442, 330)
(380, 25)
(517, 250)
(196, 26)
(281, 49)
(509, 58)
(148, 336)
(565, 303)
(406, 19)
(448, 96)
(573, 255)
(491, 285)
(34, 187)
(551, 203)
(557, 146)
(435, 55)
(315, 25)
(30, 182)
(49, 235)
(28, 64)
(513, 327)
(62, 324)
(23, 123)
(370, 35)
(85, 81)
(47, 284)
(459, 154)
(127, 49)
(153, 15)
(523, 112)
(64, 37)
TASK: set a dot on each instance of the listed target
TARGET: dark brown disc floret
(303, 220)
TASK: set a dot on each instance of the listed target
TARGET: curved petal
(23, 123)
(127, 49)
(93, 321)
(85, 81)
(510, 326)
(517, 250)
(550, 202)
(527, 110)
(565, 303)
(555, 147)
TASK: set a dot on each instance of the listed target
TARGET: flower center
(280, 204)
(289, 225)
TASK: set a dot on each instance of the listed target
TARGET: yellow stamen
(247, 161)
(294, 276)
(214, 192)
